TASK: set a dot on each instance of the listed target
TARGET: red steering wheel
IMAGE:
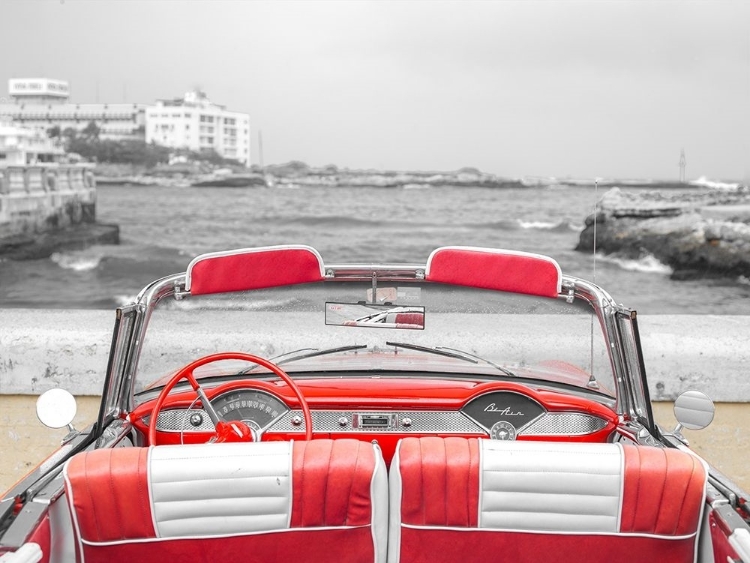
(225, 431)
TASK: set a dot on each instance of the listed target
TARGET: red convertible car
(480, 406)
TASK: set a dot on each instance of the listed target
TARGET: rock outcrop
(297, 174)
(37, 246)
(698, 234)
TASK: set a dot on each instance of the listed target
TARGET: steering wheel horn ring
(233, 431)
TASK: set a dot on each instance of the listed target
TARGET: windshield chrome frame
(602, 303)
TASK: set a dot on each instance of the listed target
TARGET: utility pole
(683, 163)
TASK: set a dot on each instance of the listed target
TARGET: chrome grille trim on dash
(178, 420)
(419, 421)
(550, 424)
(568, 423)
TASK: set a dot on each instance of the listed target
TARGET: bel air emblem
(507, 411)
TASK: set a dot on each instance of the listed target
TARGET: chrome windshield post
(146, 302)
(605, 310)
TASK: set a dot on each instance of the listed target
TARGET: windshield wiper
(311, 353)
(470, 355)
(450, 353)
(438, 351)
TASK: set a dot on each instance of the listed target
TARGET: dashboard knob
(406, 421)
(196, 419)
(343, 421)
(297, 420)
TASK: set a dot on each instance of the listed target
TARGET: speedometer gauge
(257, 409)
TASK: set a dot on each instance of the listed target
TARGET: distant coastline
(297, 174)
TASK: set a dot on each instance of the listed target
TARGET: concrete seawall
(43, 197)
(45, 208)
(43, 349)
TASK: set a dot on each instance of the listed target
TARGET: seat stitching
(91, 496)
(682, 504)
(325, 485)
(113, 494)
(637, 490)
(421, 482)
(144, 500)
(663, 490)
(351, 486)
(300, 495)
(445, 483)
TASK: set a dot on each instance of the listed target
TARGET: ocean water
(163, 228)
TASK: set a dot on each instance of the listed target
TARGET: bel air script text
(507, 411)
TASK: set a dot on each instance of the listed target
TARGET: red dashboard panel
(427, 397)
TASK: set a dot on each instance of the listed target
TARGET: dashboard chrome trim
(412, 422)
(178, 420)
(425, 422)
(564, 423)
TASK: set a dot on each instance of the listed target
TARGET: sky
(562, 88)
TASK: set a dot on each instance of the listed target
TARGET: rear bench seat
(469, 500)
(317, 501)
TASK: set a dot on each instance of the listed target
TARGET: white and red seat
(315, 501)
(469, 500)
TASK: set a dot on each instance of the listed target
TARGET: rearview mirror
(375, 316)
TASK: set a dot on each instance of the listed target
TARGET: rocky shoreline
(296, 175)
(37, 246)
(701, 234)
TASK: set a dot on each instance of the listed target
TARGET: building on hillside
(193, 122)
(43, 103)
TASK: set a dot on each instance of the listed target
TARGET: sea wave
(76, 261)
(538, 181)
(714, 184)
(503, 225)
(331, 221)
(557, 226)
(647, 263)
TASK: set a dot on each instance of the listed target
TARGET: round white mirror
(694, 410)
(56, 408)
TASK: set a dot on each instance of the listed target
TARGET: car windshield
(418, 329)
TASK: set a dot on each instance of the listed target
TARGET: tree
(91, 131)
(54, 132)
(69, 135)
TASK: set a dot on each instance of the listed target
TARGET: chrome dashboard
(502, 415)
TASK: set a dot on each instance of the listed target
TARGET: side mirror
(693, 410)
(56, 408)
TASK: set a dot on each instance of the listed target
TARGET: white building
(20, 146)
(38, 90)
(195, 123)
(42, 103)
